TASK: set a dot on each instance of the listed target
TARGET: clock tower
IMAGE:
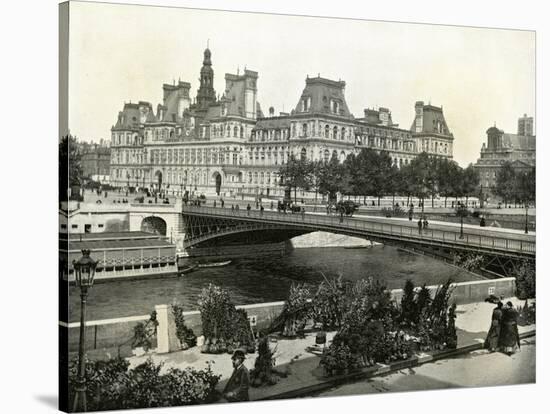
(206, 93)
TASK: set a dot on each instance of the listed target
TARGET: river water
(264, 279)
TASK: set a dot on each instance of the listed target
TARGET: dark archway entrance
(154, 225)
(218, 179)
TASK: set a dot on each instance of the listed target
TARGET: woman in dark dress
(491, 342)
(509, 335)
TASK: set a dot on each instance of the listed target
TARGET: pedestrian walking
(248, 209)
(425, 223)
(237, 207)
(237, 386)
(419, 226)
(509, 335)
(232, 207)
(303, 213)
(222, 202)
(261, 210)
(491, 342)
(271, 205)
(214, 203)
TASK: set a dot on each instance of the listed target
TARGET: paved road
(477, 369)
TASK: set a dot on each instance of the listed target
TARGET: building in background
(95, 160)
(430, 130)
(518, 149)
(226, 145)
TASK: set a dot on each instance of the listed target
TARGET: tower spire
(206, 93)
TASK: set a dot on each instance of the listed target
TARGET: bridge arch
(154, 224)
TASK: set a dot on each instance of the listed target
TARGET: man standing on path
(248, 209)
(237, 386)
(420, 226)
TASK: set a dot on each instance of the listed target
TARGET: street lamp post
(461, 211)
(84, 270)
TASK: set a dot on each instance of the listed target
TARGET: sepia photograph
(257, 206)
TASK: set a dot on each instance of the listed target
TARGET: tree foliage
(70, 169)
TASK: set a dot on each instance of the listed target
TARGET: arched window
(235, 131)
(335, 133)
(304, 130)
(303, 154)
(327, 131)
(343, 136)
(242, 132)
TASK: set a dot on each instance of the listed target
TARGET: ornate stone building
(95, 159)
(226, 144)
(519, 149)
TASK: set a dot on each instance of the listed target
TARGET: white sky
(122, 53)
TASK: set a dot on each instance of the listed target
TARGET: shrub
(111, 385)
(225, 328)
(469, 261)
(435, 327)
(298, 308)
(408, 305)
(185, 335)
(527, 314)
(330, 303)
(263, 366)
(336, 359)
(367, 333)
(394, 211)
(526, 281)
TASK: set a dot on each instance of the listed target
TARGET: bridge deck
(378, 228)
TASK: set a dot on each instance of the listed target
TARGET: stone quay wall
(115, 335)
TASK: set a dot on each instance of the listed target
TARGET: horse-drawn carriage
(346, 207)
(286, 205)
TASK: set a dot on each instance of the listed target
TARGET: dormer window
(306, 104)
(334, 107)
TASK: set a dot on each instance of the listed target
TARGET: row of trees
(372, 173)
(516, 186)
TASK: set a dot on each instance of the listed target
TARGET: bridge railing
(322, 222)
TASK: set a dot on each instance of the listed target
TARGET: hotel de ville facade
(227, 145)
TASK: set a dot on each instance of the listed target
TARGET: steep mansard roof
(128, 118)
(322, 91)
(431, 115)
